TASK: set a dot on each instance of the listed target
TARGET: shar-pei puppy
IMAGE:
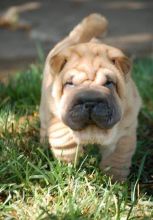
(89, 97)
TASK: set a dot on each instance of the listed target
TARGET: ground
(33, 185)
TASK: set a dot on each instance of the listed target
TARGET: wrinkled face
(88, 86)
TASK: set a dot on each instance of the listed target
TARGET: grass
(33, 185)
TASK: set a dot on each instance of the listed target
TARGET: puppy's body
(88, 96)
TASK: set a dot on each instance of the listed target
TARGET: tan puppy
(88, 96)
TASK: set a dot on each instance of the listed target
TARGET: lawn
(33, 185)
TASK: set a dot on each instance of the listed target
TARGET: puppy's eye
(70, 84)
(109, 84)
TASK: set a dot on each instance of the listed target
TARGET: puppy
(89, 97)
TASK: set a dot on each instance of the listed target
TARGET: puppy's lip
(103, 122)
(74, 127)
(91, 125)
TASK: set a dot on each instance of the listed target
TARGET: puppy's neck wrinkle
(61, 140)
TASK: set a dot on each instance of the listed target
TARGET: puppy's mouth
(92, 110)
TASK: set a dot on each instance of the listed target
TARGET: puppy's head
(88, 86)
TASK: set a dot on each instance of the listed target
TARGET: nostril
(89, 105)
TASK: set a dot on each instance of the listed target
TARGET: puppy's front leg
(118, 163)
(62, 143)
(45, 119)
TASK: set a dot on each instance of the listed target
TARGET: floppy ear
(57, 63)
(121, 61)
(123, 64)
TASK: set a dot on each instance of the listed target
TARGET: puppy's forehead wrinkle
(88, 59)
(86, 66)
(95, 49)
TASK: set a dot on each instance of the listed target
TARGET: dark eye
(109, 84)
(68, 84)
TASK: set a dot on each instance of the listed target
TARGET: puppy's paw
(118, 174)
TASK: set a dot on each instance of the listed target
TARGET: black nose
(89, 105)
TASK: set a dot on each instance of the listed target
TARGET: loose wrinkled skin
(88, 96)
